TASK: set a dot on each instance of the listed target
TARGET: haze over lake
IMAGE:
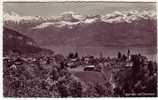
(150, 52)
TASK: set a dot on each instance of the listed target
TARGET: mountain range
(125, 28)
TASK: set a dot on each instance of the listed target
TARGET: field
(91, 76)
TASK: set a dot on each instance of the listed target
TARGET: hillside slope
(15, 41)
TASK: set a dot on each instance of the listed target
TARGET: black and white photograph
(79, 49)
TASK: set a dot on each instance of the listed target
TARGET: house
(73, 62)
(89, 68)
(129, 64)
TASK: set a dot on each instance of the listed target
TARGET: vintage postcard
(79, 49)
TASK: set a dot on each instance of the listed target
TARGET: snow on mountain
(70, 18)
(56, 24)
(43, 25)
(91, 20)
(17, 18)
(98, 30)
(128, 16)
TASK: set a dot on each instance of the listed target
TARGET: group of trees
(73, 55)
(33, 80)
(98, 90)
(122, 57)
(140, 80)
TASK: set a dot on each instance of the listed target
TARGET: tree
(76, 89)
(136, 64)
(119, 55)
(100, 89)
(76, 55)
(124, 58)
(150, 67)
(71, 55)
(63, 90)
(128, 53)
(54, 75)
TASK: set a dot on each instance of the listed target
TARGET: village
(73, 61)
(86, 69)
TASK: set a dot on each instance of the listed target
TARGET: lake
(112, 51)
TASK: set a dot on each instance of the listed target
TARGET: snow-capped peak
(56, 24)
(71, 19)
(71, 16)
(128, 16)
(43, 25)
(90, 20)
(12, 16)
(17, 18)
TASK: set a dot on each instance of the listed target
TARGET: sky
(84, 8)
